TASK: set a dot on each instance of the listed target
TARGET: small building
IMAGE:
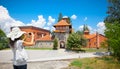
(94, 40)
(62, 30)
(44, 42)
(38, 32)
(42, 37)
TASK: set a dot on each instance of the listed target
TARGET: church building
(93, 40)
(62, 30)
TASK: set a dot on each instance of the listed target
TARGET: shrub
(75, 41)
(3, 40)
(55, 45)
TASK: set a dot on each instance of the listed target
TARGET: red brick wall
(96, 41)
(37, 32)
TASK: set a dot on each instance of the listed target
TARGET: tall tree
(3, 40)
(75, 41)
(112, 23)
(113, 11)
(79, 32)
(60, 17)
(69, 20)
(85, 27)
(55, 44)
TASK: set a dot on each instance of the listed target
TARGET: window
(63, 28)
(94, 43)
(89, 44)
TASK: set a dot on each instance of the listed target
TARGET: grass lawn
(94, 50)
(95, 63)
(6, 49)
(38, 48)
(32, 49)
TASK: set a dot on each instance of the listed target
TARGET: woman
(17, 38)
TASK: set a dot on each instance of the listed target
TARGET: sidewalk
(44, 55)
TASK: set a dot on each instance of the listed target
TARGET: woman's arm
(31, 42)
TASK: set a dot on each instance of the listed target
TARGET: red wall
(96, 41)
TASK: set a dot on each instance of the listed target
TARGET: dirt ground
(40, 65)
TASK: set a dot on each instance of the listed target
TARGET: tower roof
(62, 23)
(45, 38)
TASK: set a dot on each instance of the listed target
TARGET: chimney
(65, 18)
(86, 32)
(98, 42)
(42, 35)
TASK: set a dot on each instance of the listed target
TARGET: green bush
(55, 45)
(75, 41)
(3, 40)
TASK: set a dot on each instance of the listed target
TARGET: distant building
(94, 40)
(62, 30)
(42, 37)
(44, 42)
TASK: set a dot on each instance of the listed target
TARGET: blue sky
(90, 12)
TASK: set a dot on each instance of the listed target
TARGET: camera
(29, 33)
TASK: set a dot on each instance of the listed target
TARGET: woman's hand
(32, 39)
(32, 34)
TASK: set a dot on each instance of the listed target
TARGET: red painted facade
(39, 33)
(94, 40)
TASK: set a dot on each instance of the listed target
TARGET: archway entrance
(62, 44)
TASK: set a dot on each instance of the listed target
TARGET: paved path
(43, 59)
(44, 55)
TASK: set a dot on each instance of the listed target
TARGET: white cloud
(65, 16)
(74, 17)
(52, 29)
(85, 18)
(101, 27)
(48, 28)
(81, 28)
(6, 21)
(50, 20)
(4, 13)
(38, 23)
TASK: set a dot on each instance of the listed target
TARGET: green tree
(83, 40)
(74, 41)
(79, 32)
(85, 27)
(55, 44)
(3, 40)
(60, 17)
(112, 23)
(69, 20)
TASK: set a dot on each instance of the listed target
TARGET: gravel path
(40, 65)
(43, 59)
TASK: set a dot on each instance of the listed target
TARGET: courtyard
(45, 59)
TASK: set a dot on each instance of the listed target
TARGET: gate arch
(62, 44)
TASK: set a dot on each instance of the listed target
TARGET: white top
(18, 46)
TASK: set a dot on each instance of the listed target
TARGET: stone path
(39, 65)
(43, 59)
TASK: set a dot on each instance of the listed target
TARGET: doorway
(62, 44)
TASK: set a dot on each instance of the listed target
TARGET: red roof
(45, 38)
(59, 31)
(62, 23)
(89, 36)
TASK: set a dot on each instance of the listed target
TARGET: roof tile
(62, 23)
(46, 38)
(89, 36)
